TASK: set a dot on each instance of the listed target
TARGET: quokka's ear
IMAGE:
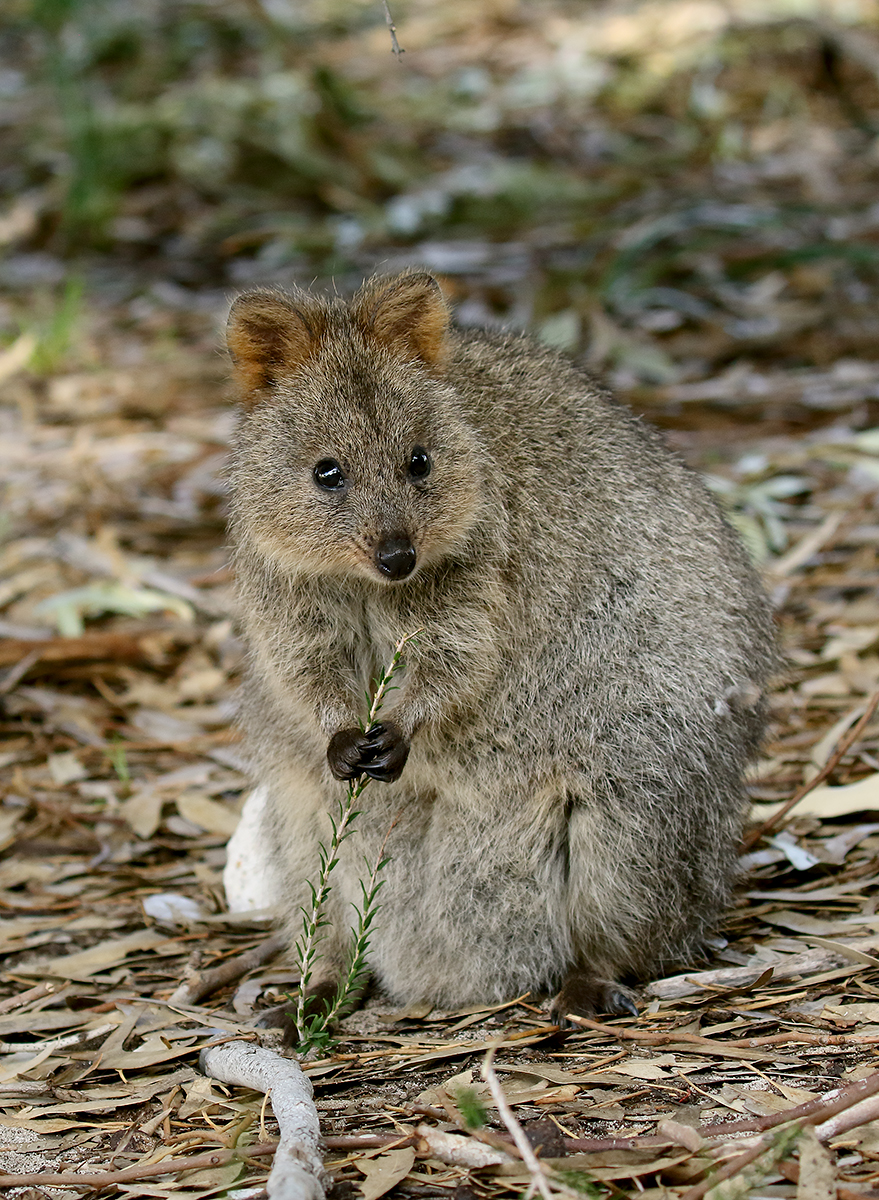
(267, 333)
(408, 315)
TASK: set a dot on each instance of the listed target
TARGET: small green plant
(471, 1108)
(58, 333)
(313, 1027)
(582, 1182)
(119, 760)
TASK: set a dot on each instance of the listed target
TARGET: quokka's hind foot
(584, 995)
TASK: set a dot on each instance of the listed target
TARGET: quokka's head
(352, 456)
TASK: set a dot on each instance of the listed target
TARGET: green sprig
(313, 1028)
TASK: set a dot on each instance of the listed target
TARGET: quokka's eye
(329, 475)
(419, 463)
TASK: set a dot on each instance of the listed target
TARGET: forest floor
(119, 664)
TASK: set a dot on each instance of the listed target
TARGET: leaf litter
(710, 248)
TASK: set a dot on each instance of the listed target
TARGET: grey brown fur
(587, 687)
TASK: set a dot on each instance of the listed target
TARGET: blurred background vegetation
(674, 188)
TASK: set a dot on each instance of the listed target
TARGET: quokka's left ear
(408, 315)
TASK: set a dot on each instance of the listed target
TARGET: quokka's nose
(395, 557)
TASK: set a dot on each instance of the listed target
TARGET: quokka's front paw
(583, 995)
(380, 753)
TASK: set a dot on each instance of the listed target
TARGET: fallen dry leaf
(384, 1172)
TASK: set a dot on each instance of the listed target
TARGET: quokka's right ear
(269, 333)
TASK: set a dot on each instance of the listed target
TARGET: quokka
(563, 757)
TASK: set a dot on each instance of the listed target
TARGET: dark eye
(329, 475)
(419, 463)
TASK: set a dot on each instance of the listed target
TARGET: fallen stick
(810, 962)
(204, 983)
(101, 1179)
(117, 647)
(37, 992)
(540, 1180)
(298, 1170)
(843, 746)
(459, 1151)
(860, 1111)
(858, 1114)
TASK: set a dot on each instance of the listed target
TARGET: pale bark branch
(298, 1171)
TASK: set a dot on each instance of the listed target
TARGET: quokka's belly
(464, 917)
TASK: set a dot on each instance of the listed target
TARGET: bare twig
(205, 983)
(37, 992)
(396, 48)
(15, 674)
(845, 744)
(540, 1180)
(168, 1166)
(808, 546)
(858, 1114)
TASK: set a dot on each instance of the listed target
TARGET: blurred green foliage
(218, 97)
(662, 167)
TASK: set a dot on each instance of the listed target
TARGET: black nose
(395, 557)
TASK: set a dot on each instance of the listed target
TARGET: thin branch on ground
(845, 744)
(205, 983)
(168, 1166)
(541, 1180)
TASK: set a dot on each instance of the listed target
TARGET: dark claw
(621, 1002)
(388, 762)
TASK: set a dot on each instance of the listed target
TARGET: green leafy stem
(314, 1022)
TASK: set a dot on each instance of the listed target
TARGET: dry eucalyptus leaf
(830, 802)
(65, 768)
(207, 814)
(143, 812)
(817, 1177)
(645, 1068)
(171, 908)
(9, 819)
(384, 1172)
(83, 964)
